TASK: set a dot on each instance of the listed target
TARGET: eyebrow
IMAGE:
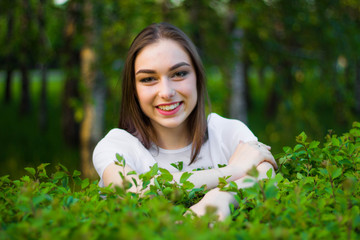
(149, 71)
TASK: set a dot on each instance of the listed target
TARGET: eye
(147, 79)
(180, 74)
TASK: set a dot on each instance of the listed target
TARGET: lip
(168, 113)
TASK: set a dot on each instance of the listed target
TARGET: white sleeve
(118, 141)
(225, 134)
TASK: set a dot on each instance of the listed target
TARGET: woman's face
(165, 84)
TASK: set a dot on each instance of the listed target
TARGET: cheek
(144, 96)
(192, 90)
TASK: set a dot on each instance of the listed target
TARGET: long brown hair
(132, 118)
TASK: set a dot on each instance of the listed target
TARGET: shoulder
(121, 142)
(117, 134)
(231, 129)
(117, 139)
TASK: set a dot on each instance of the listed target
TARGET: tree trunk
(71, 96)
(43, 68)
(284, 84)
(238, 96)
(194, 8)
(9, 62)
(238, 105)
(357, 88)
(93, 95)
(25, 104)
(43, 117)
(25, 90)
(8, 79)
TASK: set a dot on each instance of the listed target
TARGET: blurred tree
(92, 125)
(238, 91)
(8, 8)
(196, 11)
(71, 105)
(357, 88)
(43, 60)
(27, 46)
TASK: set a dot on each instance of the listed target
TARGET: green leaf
(335, 142)
(121, 175)
(5, 179)
(154, 170)
(323, 171)
(63, 167)
(271, 191)
(31, 171)
(356, 125)
(185, 176)
(351, 148)
(188, 185)
(178, 165)
(237, 198)
(25, 178)
(165, 175)
(301, 138)
(233, 185)
(121, 160)
(85, 183)
(269, 173)
(134, 181)
(336, 173)
(249, 180)
(314, 144)
(355, 132)
(157, 183)
(279, 177)
(287, 150)
(132, 173)
(42, 171)
(38, 199)
(76, 173)
(167, 191)
(59, 175)
(298, 147)
(253, 172)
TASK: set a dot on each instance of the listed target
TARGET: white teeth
(169, 107)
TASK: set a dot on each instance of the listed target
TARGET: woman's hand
(250, 154)
(216, 199)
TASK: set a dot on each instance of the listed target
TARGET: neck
(175, 138)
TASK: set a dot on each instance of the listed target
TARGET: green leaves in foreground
(314, 195)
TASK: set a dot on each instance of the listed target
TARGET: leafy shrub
(314, 195)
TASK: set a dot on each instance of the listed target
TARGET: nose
(166, 91)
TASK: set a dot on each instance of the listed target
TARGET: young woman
(162, 120)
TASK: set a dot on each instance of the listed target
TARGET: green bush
(314, 195)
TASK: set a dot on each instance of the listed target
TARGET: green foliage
(314, 195)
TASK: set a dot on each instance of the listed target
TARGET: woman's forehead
(163, 52)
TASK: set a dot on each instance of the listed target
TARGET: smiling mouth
(169, 107)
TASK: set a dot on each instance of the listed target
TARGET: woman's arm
(244, 158)
(209, 177)
(221, 200)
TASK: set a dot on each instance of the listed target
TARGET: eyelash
(180, 74)
(147, 79)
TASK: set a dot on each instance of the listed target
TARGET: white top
(224, 136)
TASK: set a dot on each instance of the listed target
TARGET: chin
(170, 123)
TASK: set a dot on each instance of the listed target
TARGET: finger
(264, 145)
(268, 157)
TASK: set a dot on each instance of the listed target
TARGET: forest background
(280, 66)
